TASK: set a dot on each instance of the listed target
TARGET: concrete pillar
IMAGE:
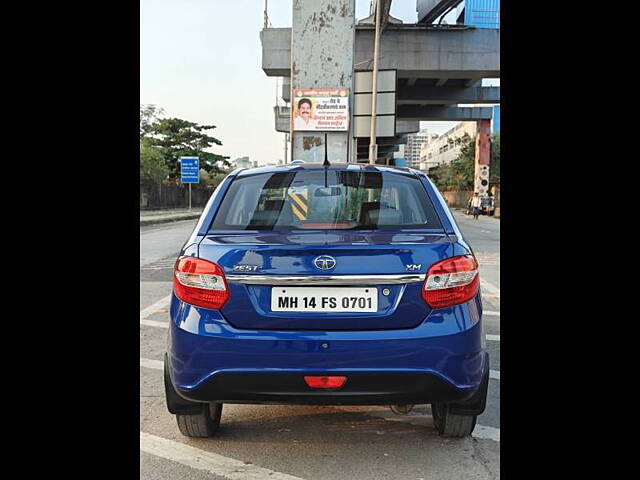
(483, 157)
(322, 52)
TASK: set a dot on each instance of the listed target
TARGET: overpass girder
(454, 114)
(447, 95)
(414, 52)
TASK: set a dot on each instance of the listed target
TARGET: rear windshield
(326, 199)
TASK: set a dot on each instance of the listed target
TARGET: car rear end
(347, 284)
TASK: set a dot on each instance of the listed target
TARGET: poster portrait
(320, 110)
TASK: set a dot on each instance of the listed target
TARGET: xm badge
(324, 262)
(412, 267)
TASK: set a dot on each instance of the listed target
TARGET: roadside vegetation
(164, 140)
(458, 175)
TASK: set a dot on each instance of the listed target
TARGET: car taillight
(451, 281)
(200, 282)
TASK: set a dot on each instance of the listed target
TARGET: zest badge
(245, 268)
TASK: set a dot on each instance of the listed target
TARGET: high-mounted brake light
(200, 282)
(325, 381)
(451, 282)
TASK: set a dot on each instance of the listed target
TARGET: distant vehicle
(337, 285)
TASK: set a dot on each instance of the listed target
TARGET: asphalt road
(284, 442)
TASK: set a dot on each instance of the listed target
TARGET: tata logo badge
(412, 267)
(324, 262)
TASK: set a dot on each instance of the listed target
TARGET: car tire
(203, 424)
(450, 424)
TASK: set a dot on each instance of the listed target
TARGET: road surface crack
(479, 457)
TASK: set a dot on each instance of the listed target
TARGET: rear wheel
(203, 424)
(450, 424)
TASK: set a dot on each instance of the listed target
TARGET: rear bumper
(442, 360)
(359, 389)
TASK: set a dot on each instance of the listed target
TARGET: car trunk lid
(392, 263)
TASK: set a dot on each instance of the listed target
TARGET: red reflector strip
(325, 382)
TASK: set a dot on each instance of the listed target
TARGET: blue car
(309, 284)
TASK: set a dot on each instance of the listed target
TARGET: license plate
(327, 299)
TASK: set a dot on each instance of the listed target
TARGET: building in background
(400, 152)
(479, 13)
(495, 120)
(242, 162)
(413, 147)
(482, 13)
(442, 149)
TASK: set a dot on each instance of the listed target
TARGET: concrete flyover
(437, 68)
(426, 95)
(439, 113)
(457, 56)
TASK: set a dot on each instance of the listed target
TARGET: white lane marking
(490, 288)
(480, 431)
(491, 312)
(490, 433)
(154, 364)
(160, 264)
(151, 309)
(208, 461)
(153, 323)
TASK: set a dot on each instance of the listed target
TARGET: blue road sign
(189, 170)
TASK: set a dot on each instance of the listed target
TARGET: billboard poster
(320, 110)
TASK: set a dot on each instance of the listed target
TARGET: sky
(200, 60)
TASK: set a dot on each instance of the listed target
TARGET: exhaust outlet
(401, 409)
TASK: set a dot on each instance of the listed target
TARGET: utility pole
(322, 29)
(266, 17)
(286, 140)
(373, 147)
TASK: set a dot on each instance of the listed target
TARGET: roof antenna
(326, 158)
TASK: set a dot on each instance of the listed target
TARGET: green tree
(494, 172)
(205, 178)
(216, 178)
(148, 115)
(463, 166)
(153, 169)
(441, 176)
(180, 138)
(459, 174)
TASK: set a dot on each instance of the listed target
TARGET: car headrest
(383, 216)
(268, 216)
(273, 205)
(365, 208)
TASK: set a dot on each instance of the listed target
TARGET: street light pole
(373, 147)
